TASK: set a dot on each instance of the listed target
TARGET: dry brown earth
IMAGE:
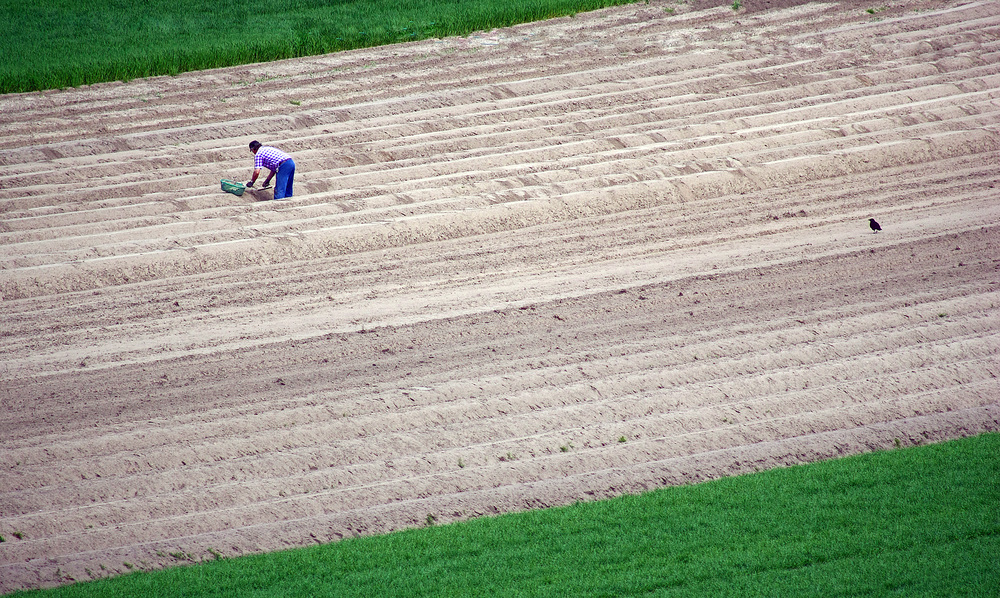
(505, 254)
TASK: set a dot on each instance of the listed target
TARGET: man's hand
(249, 183)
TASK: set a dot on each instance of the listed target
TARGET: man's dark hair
(254, 144)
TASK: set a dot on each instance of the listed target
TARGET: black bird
(875, 225)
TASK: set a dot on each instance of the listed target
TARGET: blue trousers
(283, 179)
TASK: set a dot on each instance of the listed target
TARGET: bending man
(278, 162)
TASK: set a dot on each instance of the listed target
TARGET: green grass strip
(921, 521)
(62, 43)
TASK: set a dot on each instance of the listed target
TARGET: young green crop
(60, 43)
(914, 522)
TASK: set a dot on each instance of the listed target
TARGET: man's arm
(256, 173)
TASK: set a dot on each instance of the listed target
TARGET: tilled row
(162, 317)
(655, 385)
(592, 103)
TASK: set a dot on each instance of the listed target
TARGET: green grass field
(921, 521)
(62, 43)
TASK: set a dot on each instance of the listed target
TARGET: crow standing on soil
(875, 225)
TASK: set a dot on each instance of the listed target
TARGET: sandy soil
(506, 254)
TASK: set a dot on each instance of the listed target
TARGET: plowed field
(555, 262)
